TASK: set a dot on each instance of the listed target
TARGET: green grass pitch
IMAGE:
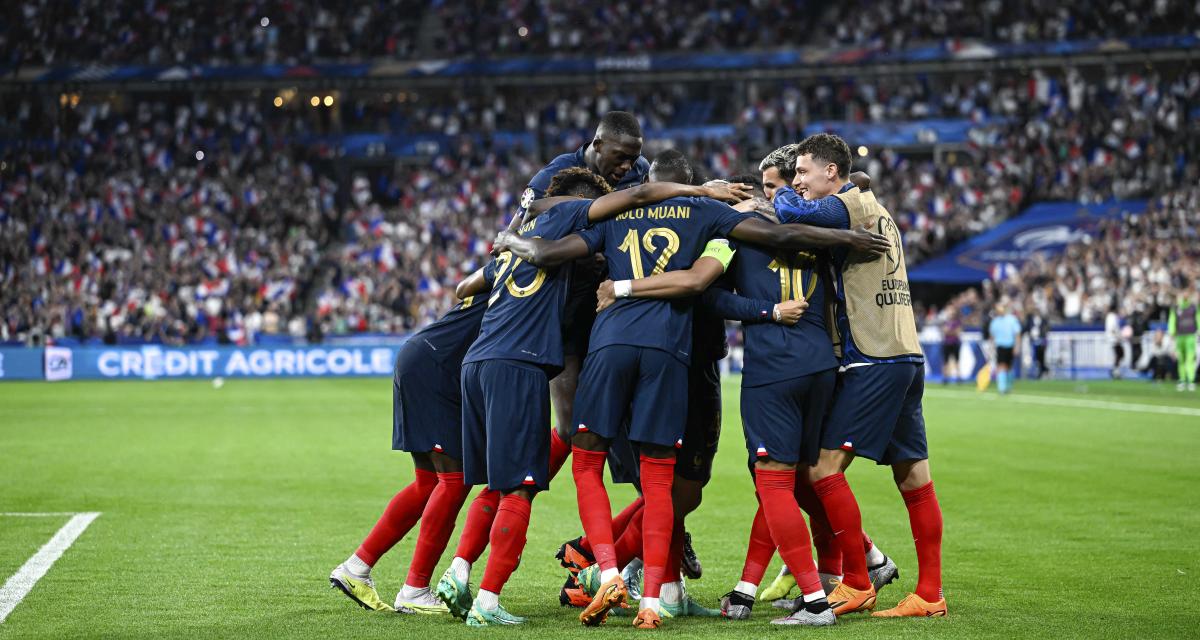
(225, 509)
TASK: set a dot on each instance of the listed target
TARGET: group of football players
(606, 299)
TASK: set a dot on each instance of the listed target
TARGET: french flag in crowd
(971, 197)
(1003, 271)
(1132, 148)
(1101, 157)
(960, 176)
(941, 206)
(385, 257)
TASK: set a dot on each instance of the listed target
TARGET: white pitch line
(21, 582)
(1057, 401)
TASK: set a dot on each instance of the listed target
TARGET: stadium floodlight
(862, 151)
(329, 101)
(278, 101)
(523, 32)
(265, 22)
(315, 101)
(199, 155)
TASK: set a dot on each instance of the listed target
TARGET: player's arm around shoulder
(683, 283)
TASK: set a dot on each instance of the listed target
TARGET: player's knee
(525, 493)
(445, 464)
(423, 460)
(657, 451)
(589, 441)
(911, 474)
(767, 464)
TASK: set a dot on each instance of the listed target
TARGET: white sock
(814, 596)
(746, 588)
(874, 556)
(487, 599)
(357, 567)
(410, 592)
(650, 603)
(608, 574)
(461, 569)
(671, 593)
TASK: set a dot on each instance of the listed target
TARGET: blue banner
(1046, 228)
(153, 362)
(20, 363)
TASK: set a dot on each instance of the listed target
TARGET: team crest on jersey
(527, 198)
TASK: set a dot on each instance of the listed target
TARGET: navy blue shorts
(877, 413)
(426, 404)
(782, 420)
(702, 432)
(648, 385)
(506, 425)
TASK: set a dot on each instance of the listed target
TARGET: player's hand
(861, 180)
(788, 313)
(863, 239)
(731, 192)
(500, 244)
(605, 296)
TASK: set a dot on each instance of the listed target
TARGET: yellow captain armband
(719, 250)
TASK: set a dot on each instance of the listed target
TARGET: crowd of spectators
(180, 218)
(1134, 266)
(177, 32)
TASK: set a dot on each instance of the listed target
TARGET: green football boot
(456, 594)
(480, 617)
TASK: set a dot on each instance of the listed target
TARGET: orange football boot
(846, 599)
(914, 606)
(610, 595)
(647, 619)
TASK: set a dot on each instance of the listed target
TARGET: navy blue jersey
(524, 315)
(774, 352)
(541, 180)
(641, 242)
(832, 213)
(448, 338)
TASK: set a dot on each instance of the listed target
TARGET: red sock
(759, 551)
(398, 518)
(925, 518)
(845, 518)
(595, 512)
(559, 451)
(829, 554)
(629, 545)
(437, 523)
(776, 490)
(508, 541)
(480, 514)
(620, 522)
(658, 521)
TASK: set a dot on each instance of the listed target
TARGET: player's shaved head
(671, 166)
(750, 179)
(577, 181)
(616, 146)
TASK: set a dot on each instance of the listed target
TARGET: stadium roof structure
(803, 62)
